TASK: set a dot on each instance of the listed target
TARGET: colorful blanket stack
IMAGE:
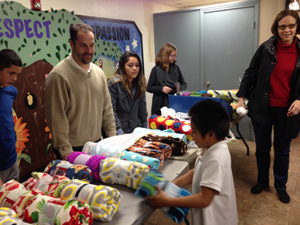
(153, 149)
(35, 207)
(102, 200)
(113, 170)
(148, 146)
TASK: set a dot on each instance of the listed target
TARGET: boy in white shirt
(213, 200)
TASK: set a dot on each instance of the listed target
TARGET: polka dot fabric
(162, 123)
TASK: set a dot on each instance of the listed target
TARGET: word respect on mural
(11, 28)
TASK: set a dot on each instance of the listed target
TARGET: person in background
(10, 68)
(77, 102)
(127, 89)
(272, 86)
(165, 78)
(213, 200)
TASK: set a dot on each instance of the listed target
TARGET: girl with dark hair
(127, 88)
(272, 86)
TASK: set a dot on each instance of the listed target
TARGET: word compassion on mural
(115, 37)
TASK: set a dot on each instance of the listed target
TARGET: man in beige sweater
(78, 104)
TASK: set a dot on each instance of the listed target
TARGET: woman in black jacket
(272, 86)
(165, 78)
(127, 89)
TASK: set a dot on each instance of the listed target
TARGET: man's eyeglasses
(283, 27)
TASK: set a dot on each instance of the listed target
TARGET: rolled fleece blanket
(158, 150)
(151, 162)
(147, 188)
(104, 200)
(111, 146)
(71, 171)
(47, 184)
(118, 171)
(10, 192)
(9, 217)
(91, 161)
(42, 209)
(15, 196)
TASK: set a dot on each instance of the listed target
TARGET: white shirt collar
(74, 63)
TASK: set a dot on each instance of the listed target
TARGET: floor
(262, 209)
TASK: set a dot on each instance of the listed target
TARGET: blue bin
(184, 103)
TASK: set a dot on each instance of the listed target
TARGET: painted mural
(41, 38)
(113, 38)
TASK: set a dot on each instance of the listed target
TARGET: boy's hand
(159, 200)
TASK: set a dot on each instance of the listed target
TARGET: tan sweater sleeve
(56, 106)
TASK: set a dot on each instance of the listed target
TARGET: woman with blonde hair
(165, 78)
(127, 88)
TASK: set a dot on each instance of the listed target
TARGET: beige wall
(141, 12)
(268, 11)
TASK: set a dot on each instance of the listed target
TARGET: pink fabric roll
(92, 161)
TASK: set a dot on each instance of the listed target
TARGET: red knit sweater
(280, 78)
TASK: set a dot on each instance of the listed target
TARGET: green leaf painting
(44, 35)
(34, 34)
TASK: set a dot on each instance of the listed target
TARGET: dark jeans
(277, 118)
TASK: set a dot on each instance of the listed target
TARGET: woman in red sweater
(272, 86)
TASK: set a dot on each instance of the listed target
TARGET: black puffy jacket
(255, 85)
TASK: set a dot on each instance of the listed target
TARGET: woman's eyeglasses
(173, 55)
(283, 27)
